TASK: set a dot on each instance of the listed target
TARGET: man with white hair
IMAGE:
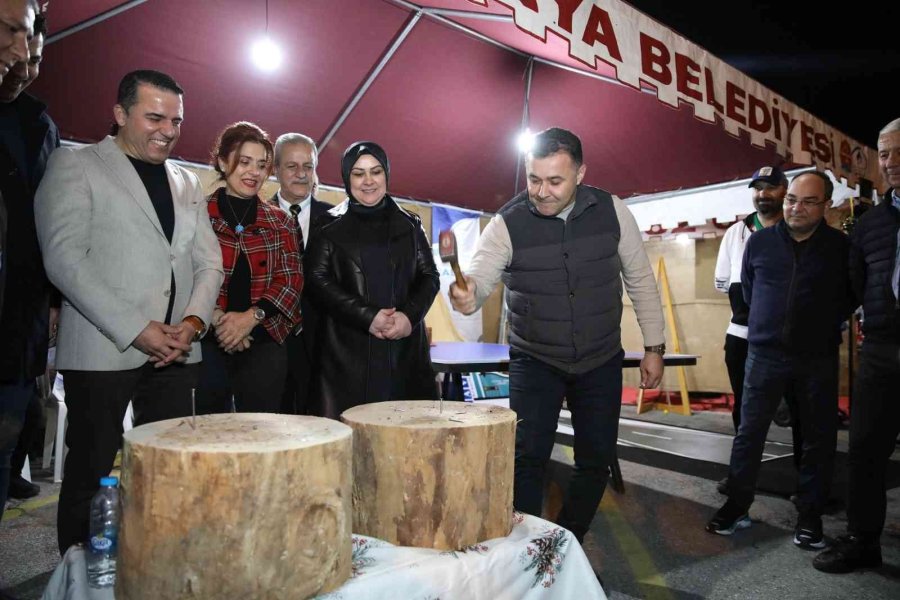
(875, 414)
(296, 158)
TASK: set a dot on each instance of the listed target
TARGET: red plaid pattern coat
(276, 274)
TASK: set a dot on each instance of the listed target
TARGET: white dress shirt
(302, 218)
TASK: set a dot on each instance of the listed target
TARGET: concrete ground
(646, 543)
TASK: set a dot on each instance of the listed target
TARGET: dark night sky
(841, 65)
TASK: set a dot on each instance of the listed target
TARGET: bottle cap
(109, 481)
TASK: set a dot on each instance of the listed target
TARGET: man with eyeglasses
(875, 415)
(795, 281)
(769, 185)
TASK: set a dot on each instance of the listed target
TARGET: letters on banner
(642, 50)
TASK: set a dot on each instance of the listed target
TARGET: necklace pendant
(239, 228)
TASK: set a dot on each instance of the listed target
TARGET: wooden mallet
(447, 249)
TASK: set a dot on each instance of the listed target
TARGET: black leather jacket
(337, 281)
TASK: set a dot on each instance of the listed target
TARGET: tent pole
(93, 21)
(369, 80)
(529, 71)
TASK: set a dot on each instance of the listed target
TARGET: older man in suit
(127, 241)
(296, 158)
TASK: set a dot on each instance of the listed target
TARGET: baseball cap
(770, 175)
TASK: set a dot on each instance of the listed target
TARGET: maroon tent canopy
(443, 85)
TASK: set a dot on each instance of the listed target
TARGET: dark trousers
(96, 403)
(735, 360)
(874, 427)
(814, 383)
(296, 397)
(14, 399)
(34, 414)
(536, 392)
(254, 378)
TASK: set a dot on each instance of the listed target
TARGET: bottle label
(101, 543)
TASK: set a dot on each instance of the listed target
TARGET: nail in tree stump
(422, 478)
(244, 506)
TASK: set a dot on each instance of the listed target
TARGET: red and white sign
(643, 51)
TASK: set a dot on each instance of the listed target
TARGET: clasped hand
(233, 330)
(390, 324)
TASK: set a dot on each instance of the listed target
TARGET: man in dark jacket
(19, 251)
(296, 158)
(795, 281)
(31, 135)
(875, 414)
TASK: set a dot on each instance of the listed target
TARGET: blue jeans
(14, 399)
(536, 392)
(814, 383)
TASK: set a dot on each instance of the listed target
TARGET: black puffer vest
(872, 253)
(564, 281)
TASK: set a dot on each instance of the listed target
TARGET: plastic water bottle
(101, 559)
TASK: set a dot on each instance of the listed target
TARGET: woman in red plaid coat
(259, 303)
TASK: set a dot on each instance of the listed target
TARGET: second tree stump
(429, 479)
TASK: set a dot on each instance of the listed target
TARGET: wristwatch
(198, 325)
(658, 349)
(259, 314)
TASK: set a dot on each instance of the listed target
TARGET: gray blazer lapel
(119, 165)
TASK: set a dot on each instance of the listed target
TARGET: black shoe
(849, 553)
(722, 486)
(21, 489)
(808, 533)
(729, 519)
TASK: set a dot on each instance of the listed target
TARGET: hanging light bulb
(525, 141)
(266, 54)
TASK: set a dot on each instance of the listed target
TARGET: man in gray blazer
(127, 240)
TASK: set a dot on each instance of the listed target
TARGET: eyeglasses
(792, 202)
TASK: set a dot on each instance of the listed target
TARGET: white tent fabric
(723, 202)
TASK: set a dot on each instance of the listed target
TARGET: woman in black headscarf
(371, 270)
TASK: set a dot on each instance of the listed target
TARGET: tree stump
(244, 506)
(429, 479)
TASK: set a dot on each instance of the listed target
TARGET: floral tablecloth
(537, 560)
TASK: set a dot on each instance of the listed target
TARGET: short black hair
(556, 139)
(127, 96)
(40, 25)
(829, 185)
